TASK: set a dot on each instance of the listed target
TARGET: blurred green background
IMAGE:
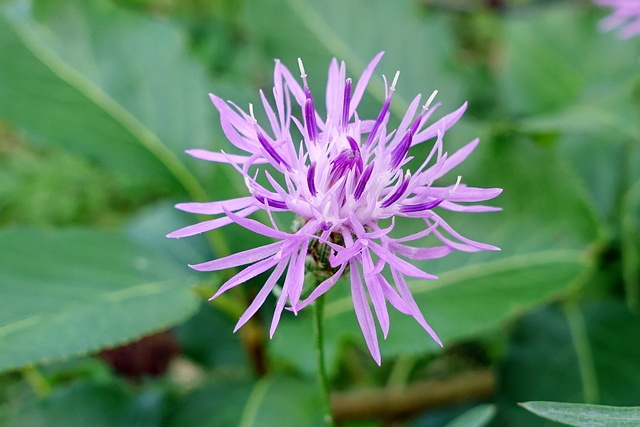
(101, 321)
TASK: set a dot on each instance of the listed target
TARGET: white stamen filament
(303, 73)
(395, 80)
(430, 100)
(455, 187)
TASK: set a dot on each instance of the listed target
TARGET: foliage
(574, 414)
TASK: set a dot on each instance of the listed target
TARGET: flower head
(625, 16)
(342, 176)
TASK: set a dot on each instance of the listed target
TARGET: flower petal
(405, 292)
(256, 226)
(371, 280)
(246, 274)
(240, 258)
(212, 156)
(322, 288)
(263, 294)
(399, 264)
(214, 208)
(212, 224)
(363, 313)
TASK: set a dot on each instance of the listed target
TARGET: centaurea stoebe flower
(341, 177)
(625, 17)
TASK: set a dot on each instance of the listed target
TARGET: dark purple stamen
(356, 153)
(271, 202)
(345, 161)
(311, 175)
(272, 151)
(378, 122)
(421, 206)
(400, 152)
(346, 103)
(396, 194)
(363, 182)
(326, 225)
(310, 116)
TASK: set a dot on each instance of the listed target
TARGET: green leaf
(586, 353)
(114, 86)
(195, 337)
(552, 81)
(584, 415)
(475, 417)
(271, 398)
(419, 44)
(84, 403)
(218, 404)
(75, 291)
(270, 402)
(549, 53)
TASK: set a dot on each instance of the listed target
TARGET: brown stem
(401, 402)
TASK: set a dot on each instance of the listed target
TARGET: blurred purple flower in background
(625, 17)
(345, 177)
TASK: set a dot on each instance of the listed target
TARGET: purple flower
(342, 176)
(625, 16)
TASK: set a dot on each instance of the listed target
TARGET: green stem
(36, 381)
(629, 230)
(578, 331)
(318, 330)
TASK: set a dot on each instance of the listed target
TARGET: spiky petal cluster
(625, 17)
(341, 176)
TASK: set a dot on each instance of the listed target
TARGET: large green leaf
(583, 415)
(217, 404)
(478, 416)
(114, 86)
(549, 58)
(270, 402)
(74, 291)
(586, 353)
(271, 398)
(552, 81)
(105, 404)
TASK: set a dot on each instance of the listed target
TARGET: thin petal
(322, 288)
(457, 158)
(461, 193)
(392, 296)
(212, 224)
(342, 256)
(405, 292)
(212, 156)
(246, 274)
(296, 276)
(399, 264)
(441, 125)
(363, 313)
(455, 207)
(256, 227)
(371, 279)
(240, 258)
(263, 294)
(421, 253)
(363, 82)
(214, 208)
(473, 245)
